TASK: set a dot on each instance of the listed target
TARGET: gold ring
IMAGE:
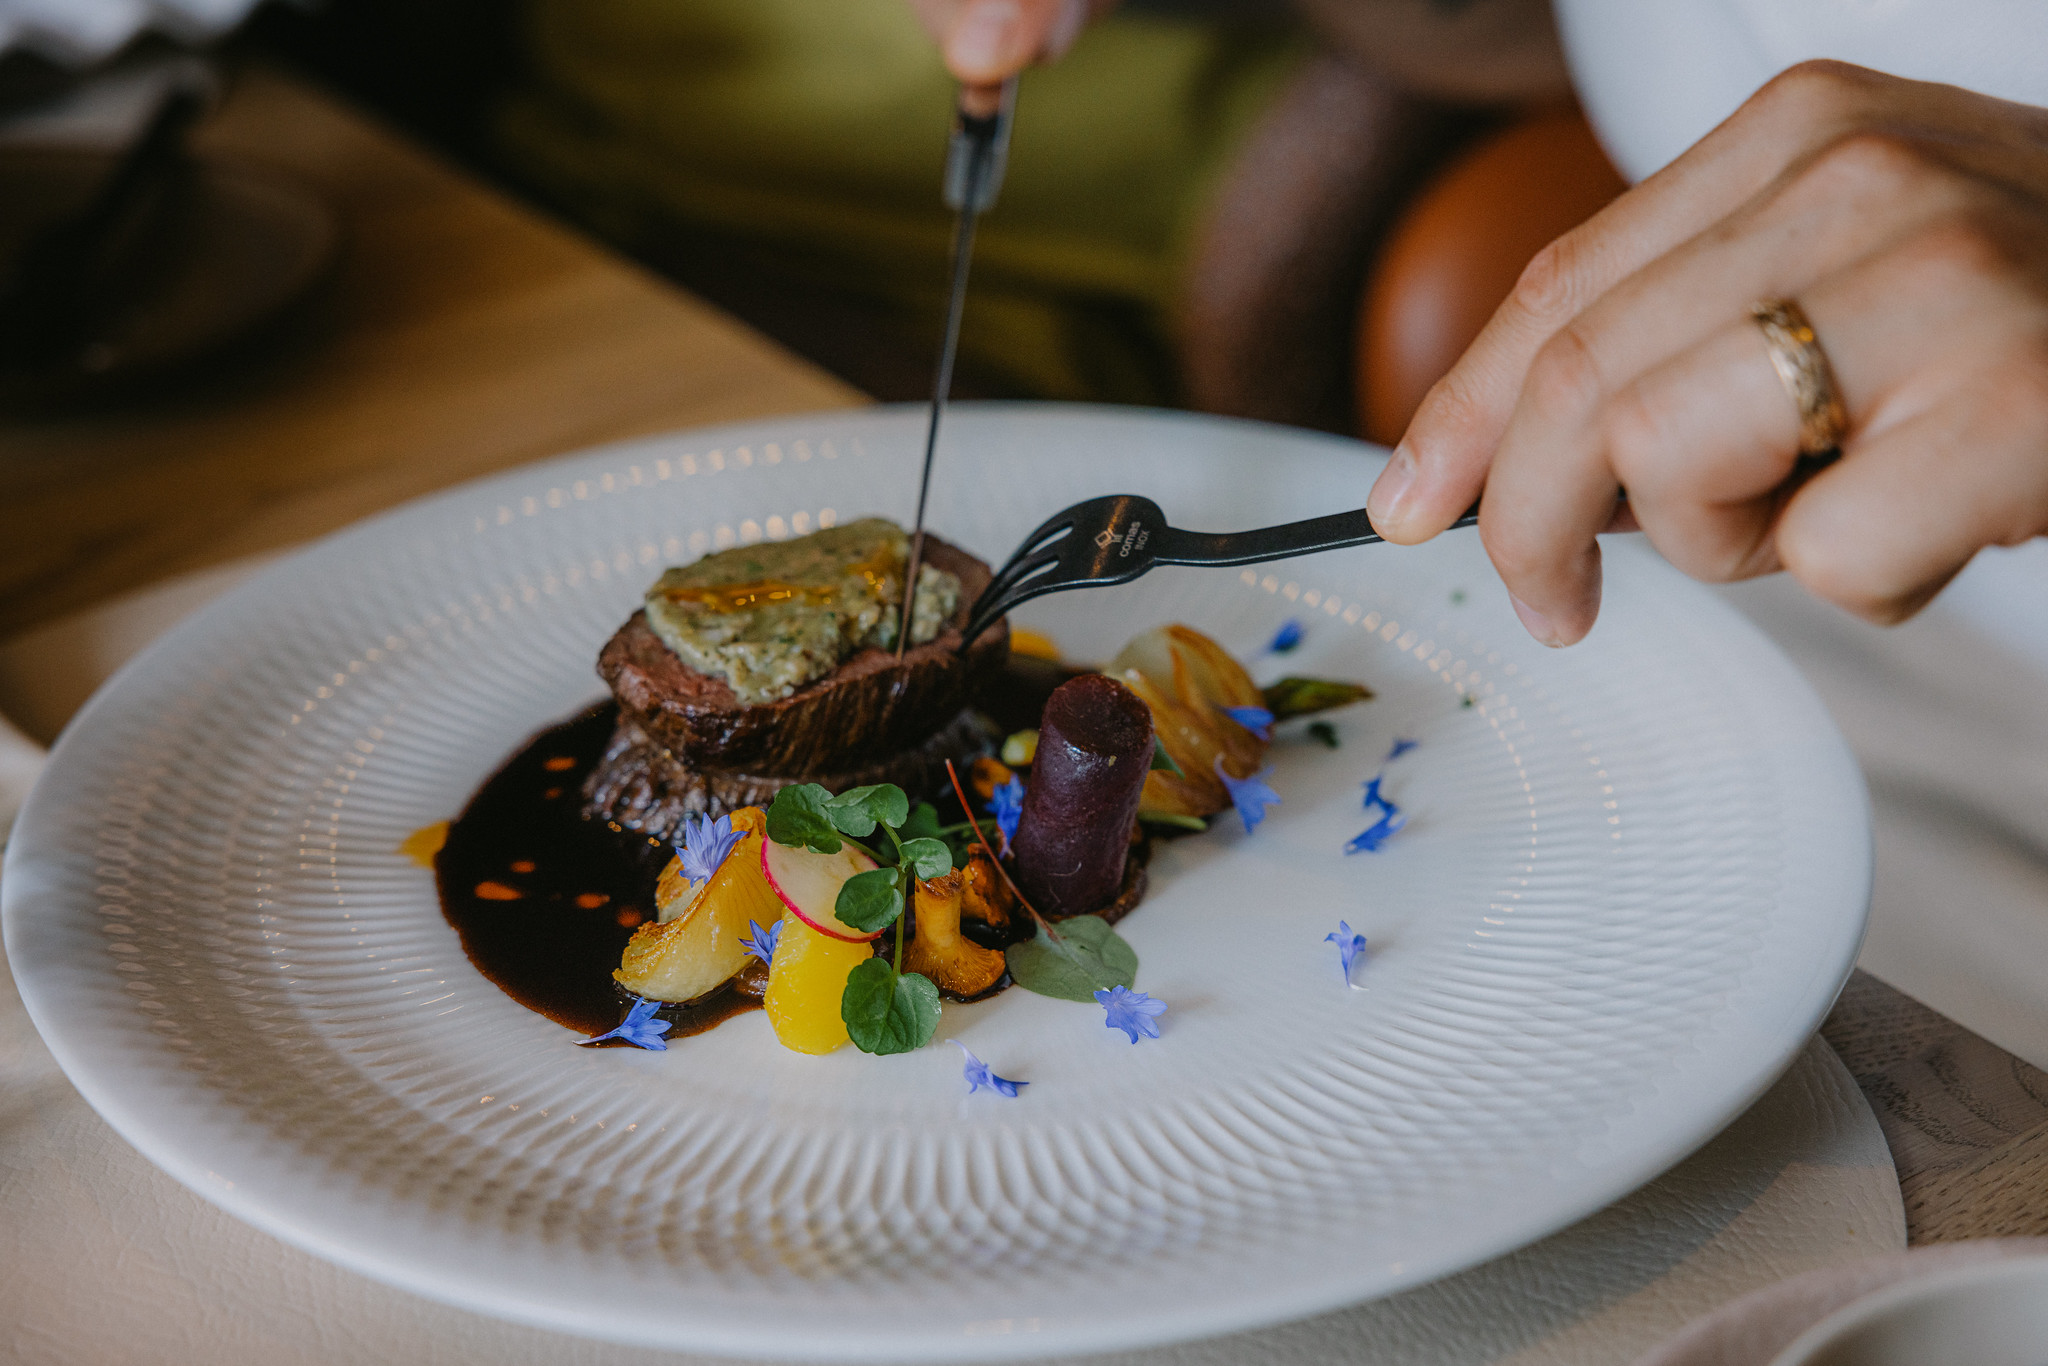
(1804, 370)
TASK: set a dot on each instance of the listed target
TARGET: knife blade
(976, 157)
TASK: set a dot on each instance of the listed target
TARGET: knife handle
(984, 138)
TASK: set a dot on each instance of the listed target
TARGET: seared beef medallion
(642, 786)
(686, 744)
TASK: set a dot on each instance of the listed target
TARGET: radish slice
(808, 883)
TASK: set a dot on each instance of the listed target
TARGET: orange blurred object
(1456, 251)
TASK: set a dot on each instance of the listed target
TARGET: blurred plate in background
(230, 249)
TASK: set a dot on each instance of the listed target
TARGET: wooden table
(462, 334)
(1966, 1120)
(459, 334)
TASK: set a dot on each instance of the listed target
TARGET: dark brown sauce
(545, 899)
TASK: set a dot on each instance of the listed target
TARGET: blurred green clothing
(814, 132)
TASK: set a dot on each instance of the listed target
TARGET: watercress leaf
(916, 1011)
(1163, 761)
(864, 1005)
(859, 809)
(888, 805)
(848, 812)
(1302, 696)
(928, 857)
(921, 823)
(851, 820)
(797, 818)
(886, 1011)
(1088, 957)
(869, 901)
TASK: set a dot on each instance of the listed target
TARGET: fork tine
(1019, 567)
(1055, 530)
(1028, 573)
(997, 599)
(1063, 520)
(1016, 562)
(1032, 550)
(986, 614)
(976, 624)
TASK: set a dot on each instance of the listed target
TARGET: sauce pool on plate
(544, 900)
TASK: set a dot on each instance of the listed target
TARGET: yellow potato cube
(805, 984)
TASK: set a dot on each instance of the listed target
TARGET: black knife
(975, 159)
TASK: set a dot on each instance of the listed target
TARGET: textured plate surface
(1633, 879)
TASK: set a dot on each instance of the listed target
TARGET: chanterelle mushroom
(956, 964)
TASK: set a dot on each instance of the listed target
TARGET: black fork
(1117, 538)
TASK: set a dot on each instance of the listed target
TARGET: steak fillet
(871, 707)
(644, 787)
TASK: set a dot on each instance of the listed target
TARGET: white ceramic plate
(1633, 879)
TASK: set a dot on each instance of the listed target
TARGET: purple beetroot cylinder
(1094, 749)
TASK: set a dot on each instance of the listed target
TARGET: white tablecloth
(1949, 717)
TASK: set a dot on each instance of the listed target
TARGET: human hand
(1911, 223)
(988, 41)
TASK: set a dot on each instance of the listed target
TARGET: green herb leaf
(850, 820)
(928, 857)
(1162, 760)
(797, 818)
(858, 810)
(1173, 819)
(921, 823)
(1088, 957)
(869, 901)
(1323, 733)
(1302, 696)
(887, 1011)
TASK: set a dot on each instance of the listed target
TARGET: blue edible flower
(761, 943)
(1257, 720)
(1006, 803)
(1349, 946)
(706, 842)
(1287, 638)
(639, 1028)
(977, 1074)
(1369, 840)
(1251, 796)
(1131, 1011)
